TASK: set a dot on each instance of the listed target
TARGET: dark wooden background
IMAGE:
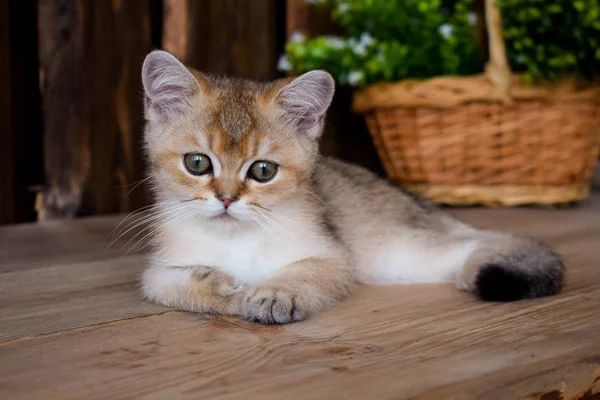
(71, 97)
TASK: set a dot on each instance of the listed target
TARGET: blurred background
(71, 96)
(71, 114)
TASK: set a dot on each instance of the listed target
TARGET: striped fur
(288, 248)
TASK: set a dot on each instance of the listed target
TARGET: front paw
(273, 305)
(218, 282)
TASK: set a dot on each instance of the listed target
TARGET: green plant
(551, 38)
(390, 40)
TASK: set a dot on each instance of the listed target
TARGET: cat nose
(226, 200)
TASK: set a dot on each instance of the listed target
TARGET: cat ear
(169, 86)
(305, 100)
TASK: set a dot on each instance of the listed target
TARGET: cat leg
(297, 291)
(198, 289)
(495, 266)
(505, 267)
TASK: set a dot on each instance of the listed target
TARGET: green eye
(262, 171)
(197, 163)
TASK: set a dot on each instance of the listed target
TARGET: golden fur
(281, 250)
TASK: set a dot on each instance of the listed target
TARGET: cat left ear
(169, 86)
(305, 100)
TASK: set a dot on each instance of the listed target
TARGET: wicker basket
(486, 139)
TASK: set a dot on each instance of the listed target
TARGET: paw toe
(275, 306)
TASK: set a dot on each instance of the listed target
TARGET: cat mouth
(224, 216)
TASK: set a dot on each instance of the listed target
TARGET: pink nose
(226, 200)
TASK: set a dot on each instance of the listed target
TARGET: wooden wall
(90, 57)
(21, 159)
(76, 133)
(236, 37)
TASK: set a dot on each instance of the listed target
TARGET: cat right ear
(169, 86)
(305, 100)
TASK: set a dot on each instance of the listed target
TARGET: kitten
(254, 222)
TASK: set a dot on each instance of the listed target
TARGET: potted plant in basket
(459, 130)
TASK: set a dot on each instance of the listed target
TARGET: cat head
(230, 148)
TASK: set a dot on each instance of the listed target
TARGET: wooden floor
(72, 325)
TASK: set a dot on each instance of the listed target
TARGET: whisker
(183, 214)
(148, 229)
(259, 206)
(138, 183)
(317, 198)
(135, 224)
(273, 224)
(149, 213)
(265, 223)
(276, 215)
(192, 199)
(161, 210)
(143, 210)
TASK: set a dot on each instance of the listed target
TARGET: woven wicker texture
(478, 143)
(486, 139)
(452, 91)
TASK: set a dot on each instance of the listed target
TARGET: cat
(253, 221)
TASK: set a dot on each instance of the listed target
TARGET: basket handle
(497, 69)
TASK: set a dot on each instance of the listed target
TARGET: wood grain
(6, 139)
(77, 329)
(30, 246)
(235, 37)
(119, 32)
(175, 20)
(20, 137)
(62, 52)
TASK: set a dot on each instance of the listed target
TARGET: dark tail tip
(496, 282)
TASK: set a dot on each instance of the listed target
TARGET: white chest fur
(250, 255)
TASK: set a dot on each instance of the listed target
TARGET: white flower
(297, 37)
(284, 63)
(360, 49)
(335, 42)
(366, 39)
(472, 18)
(355, 77)
(343, 7)
(446, 30)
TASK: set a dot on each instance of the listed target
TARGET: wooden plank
(78, 330)
(538, 222)
(120, 34)
(175, 32)
(135, 31)
(26, 247)
(308, 19)
(390, 342)
(43, 301)
(297, 17)
(20, 135)
(6, 154)
(59, 276)
(236, 37)
(65, 107)
(91, 57)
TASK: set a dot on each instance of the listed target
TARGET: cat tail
(505, 267)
